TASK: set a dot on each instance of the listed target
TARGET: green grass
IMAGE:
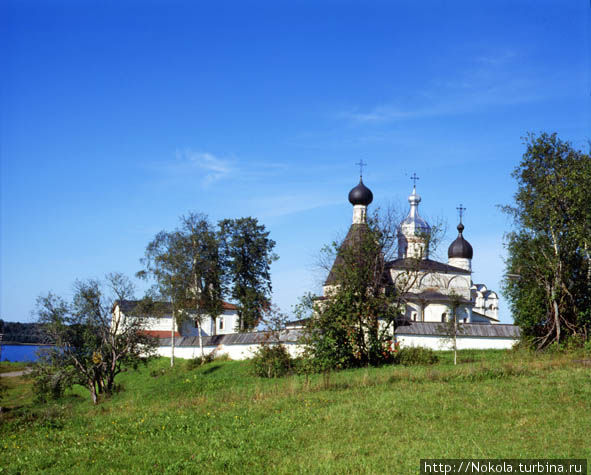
(220, 418)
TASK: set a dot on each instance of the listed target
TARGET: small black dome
(360, 195)
(460, 247)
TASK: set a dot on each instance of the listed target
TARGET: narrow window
(414, 316)
(221, 323)
(443, 317)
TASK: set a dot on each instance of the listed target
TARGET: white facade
(162, 326)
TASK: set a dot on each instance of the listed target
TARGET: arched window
(443, 317)
(221, 323)
(414, 316)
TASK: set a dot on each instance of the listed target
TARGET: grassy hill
(220, 418)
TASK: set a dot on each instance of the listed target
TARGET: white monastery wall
(235, 352)
(463, 342)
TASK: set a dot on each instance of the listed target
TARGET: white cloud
(498, 79)
(290, 203)
(213, 167)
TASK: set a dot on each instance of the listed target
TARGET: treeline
(22, 332)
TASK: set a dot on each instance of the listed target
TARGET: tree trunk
(172, 340)
(556, 320)
(455, 337)
(92, 389)
(200, 339)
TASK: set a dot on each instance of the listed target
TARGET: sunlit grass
(220, 418)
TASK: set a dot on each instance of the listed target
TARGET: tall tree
(248, 254)
(163, 259)
(548, 280)
(201, 270)
(186, 265)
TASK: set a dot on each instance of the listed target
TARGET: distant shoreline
(17, 343)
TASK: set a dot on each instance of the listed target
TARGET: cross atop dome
(414, 179)
(361, 164)
(461, 210)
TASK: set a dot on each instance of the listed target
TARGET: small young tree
(90, 347)
(451, 327)
(272, 359)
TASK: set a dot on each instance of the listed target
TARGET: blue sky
(118, 117)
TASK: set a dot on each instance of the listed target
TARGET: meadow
(220, 418)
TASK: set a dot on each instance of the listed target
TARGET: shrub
(415, 355)
(200, 361)
(50, 382)
(271, 361)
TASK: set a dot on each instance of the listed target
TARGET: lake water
(20, 352)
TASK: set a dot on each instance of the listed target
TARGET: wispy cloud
(489, 80)
(213, 168)
(208, 168)
(290, 203)
(378, 114)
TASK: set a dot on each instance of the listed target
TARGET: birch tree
(548, 269)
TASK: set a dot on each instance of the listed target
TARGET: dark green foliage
(271, 361)
(196, 266)
(200, 360)
(22, 333)
(548, 277)
(353, 326)
(415, 355)
(248, 254)
(52, 380)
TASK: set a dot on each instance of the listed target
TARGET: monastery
(429, 299)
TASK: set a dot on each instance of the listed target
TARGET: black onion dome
(360, 195)
(460, 247)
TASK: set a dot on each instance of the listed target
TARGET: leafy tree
(451, 328)
(200, 274)
(353, 325)
(187, 267)
(163, 259)
(548, 277)
(90, 347)
(248, 254)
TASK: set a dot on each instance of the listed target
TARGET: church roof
(499, 330)
(431, 296)
(251, 338)
(460, 247)
(353, 237)
(360, 195)
(425, 265)
(414, 224)
(484, 316)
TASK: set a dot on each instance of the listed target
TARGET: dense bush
(271, 361)
(200, 360)
(51, 382)
(415, 355)
(208, 358)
